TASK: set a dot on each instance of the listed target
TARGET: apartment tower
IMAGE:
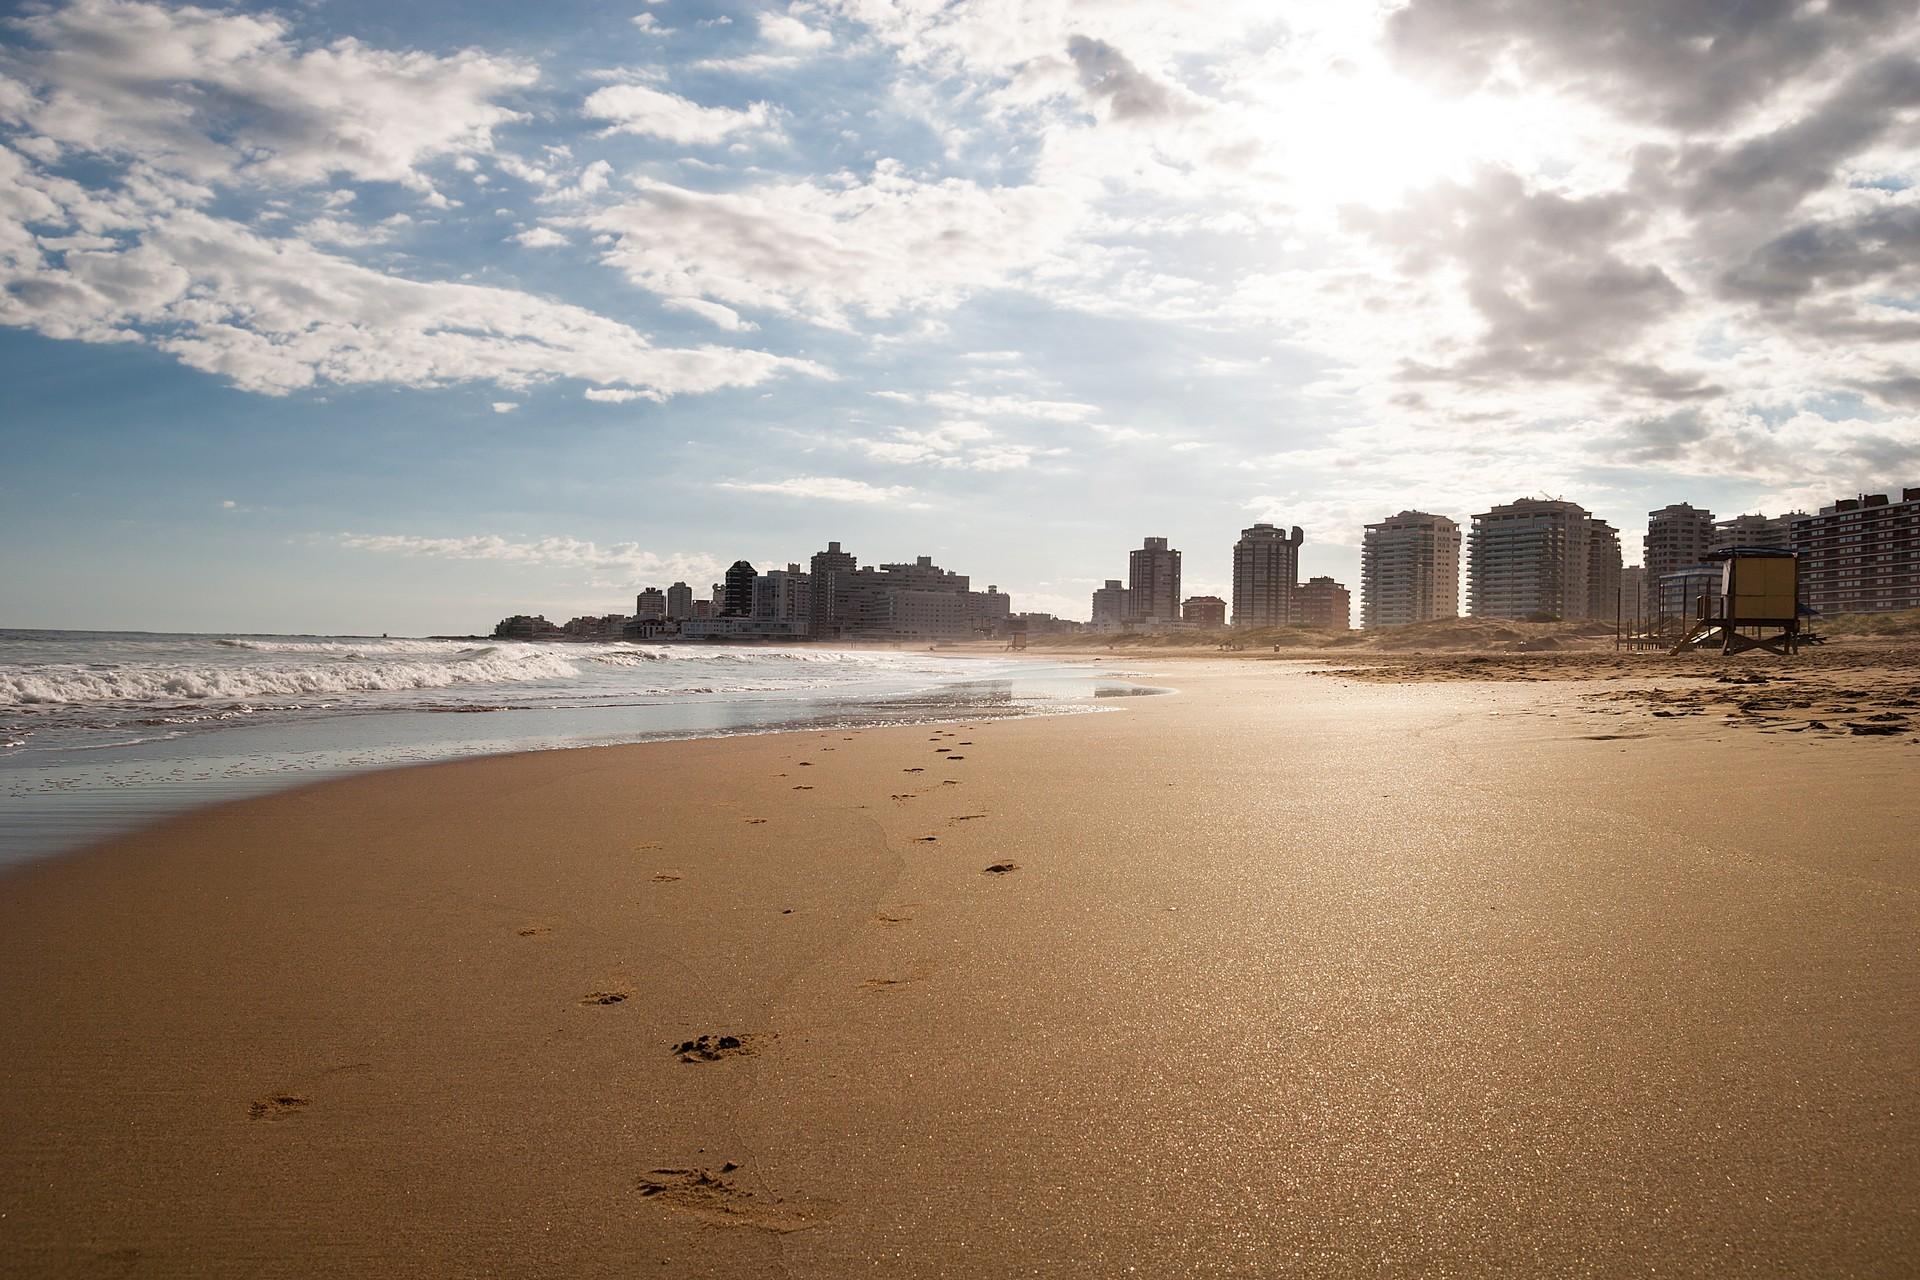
(679, 602)
(1409, 570)
(832, 573)
(1153, 583)
(1529, 559)
(1604, 597)
(1266, 567)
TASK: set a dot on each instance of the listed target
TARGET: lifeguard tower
(1757, 607)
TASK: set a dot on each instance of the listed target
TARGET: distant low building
(1774, 532)
(522, 626)
(1038, 624)
(1204, 611)
(604, 627)
(1109, 606)
(1323, 603)
(731, 628)
(1633, 595)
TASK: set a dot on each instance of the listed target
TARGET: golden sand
(1286, 974)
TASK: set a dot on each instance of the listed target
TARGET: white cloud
(551, 552)
(505, 406)
(613, 395)
(222, 96)
(788, 31)
(352, 235)
(651, 25)
(274, 315)
(824, 252)
(996, 406)
(966, 446)
(540, 238)
(712, 312)
(829, 489)
(635, 108)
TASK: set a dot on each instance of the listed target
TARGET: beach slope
(1281, 974)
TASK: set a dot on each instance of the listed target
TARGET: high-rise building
(1324, 604)
(650, 604)
(737, 600)
(1529, 559)
(1603, 571)
(717, 598)
(1266, 567)
(679, 602)
(1153, 582)
(1756, 531)
(1204, 611)
(1679, 537)
(832, 573)
(1409, 570)
(1861, 555)
(1109, 606)
(781, 595)
(1633, 595)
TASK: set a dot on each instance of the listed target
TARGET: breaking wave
(68, 684)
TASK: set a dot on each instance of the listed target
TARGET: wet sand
(1286, 974)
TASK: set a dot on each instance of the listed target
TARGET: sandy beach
(1287, 973)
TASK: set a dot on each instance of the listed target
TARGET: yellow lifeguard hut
(1758, 605)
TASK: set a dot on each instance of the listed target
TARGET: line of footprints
(715, 1196)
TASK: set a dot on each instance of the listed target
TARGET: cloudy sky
(399, 317)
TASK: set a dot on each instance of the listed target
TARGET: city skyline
(638, 291)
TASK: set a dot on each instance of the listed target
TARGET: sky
(353, 317)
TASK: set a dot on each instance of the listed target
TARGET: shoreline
(1385, 979)
(81, 797)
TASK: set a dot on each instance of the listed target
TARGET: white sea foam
(70, 683)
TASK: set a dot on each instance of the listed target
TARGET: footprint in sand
(941, 750)
(803, 787)
(896, 915)
(951, 759)
(755, 822)
(651, 844)
(714, 1048)
(884, 984)
(713, 1197)
(965, 744)
(915, 769)
(533, 931)
(950, 783)
(904, 795)
(666, 877)
(1001, 868)
(925, 839)
(806, 764)
(965, 817)
(273, 1106)
(603, 997)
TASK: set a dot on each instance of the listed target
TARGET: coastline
(1378, 978)
(83, 771)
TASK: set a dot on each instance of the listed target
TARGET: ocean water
(103, 731)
